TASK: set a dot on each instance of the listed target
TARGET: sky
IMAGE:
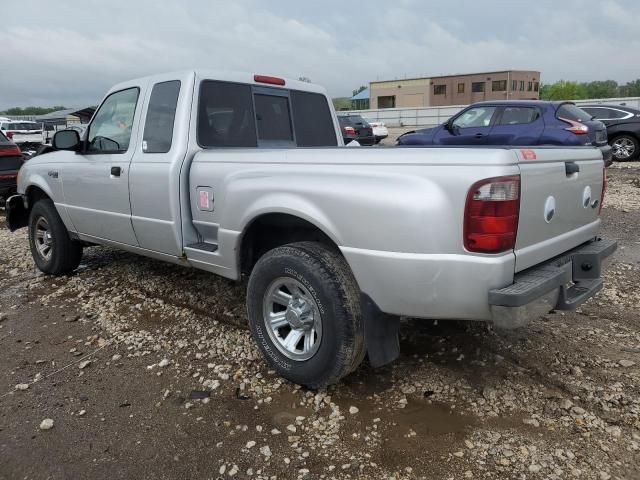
(69, 53)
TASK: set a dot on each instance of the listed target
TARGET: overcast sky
(70, 52)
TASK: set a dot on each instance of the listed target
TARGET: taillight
(491, 215)
(11, 151)
(576, 127)
(9, 135)
(349, 130)
(604, 188)
(268, 79)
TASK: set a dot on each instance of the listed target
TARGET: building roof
(363, 95)
(61, 115)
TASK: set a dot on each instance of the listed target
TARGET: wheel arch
(269, 230)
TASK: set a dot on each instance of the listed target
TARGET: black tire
(337, 297)
(631, 142)
(64, 254)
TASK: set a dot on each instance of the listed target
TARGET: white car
(23, 132)
(379, 130)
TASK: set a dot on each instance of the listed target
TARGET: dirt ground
(147, 372)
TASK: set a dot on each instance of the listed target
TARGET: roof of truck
(225, 76)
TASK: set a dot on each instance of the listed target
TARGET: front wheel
(52, 249)
(625, 148)
(304, 313)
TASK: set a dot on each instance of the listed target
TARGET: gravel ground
(131, 368)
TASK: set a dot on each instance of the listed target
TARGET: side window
(519, 115)
(225, 115)
(313, 122)
(273, 118)
(110, 131)
(475, 117)
(161, 114)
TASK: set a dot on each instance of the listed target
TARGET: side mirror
(448, 125)
(66, 140)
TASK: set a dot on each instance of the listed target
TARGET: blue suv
(516, 123)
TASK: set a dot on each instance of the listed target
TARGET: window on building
(387, 102)
(461, 88)
(514, 85)
(530, 87)
(439, 89)
(477, 87)
(158, 127)
(499, 86)
(519, 115)
(522, 85)
(536, 86)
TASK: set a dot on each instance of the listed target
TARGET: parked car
(623, 129)
(10, 163)
(337, 243)
(516, 123)
(380, 131)
(28, 135)
(354, 127)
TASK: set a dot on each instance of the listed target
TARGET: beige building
(455, 89)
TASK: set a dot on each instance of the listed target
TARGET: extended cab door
(471, 127)
(159, 157)
(96, 180)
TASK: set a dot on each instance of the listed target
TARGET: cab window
(110, 131)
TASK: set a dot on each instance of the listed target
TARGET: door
(471, 127)
(96, 182)
(515, 125)
(154, 180)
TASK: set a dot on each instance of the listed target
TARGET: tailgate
(559, 201)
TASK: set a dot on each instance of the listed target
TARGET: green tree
(602, 89)
(563, 90)
(31, 110)
(631, 89)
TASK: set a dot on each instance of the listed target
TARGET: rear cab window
(250, 116)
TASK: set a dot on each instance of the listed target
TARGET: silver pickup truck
(247, 175)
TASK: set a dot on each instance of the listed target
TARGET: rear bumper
(563, 283)
(8, 183)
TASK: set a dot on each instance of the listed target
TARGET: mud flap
(380, 333)
(17, 214)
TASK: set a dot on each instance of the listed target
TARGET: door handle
(479, 135)
(116, 171)
(571, 168)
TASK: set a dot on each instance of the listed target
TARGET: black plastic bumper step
(204, 246)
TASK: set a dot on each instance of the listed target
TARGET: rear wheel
(51, 247)
(625, 148)
(304, 312)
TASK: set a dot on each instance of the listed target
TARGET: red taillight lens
(350, 130)
(576, 127)
(491, 215)
(604, 188)
(9, 135)
(269, 80)
(11, 151)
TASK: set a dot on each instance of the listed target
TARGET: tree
(31, 110)
(563, 90)
(631, 89)
(602, 89)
